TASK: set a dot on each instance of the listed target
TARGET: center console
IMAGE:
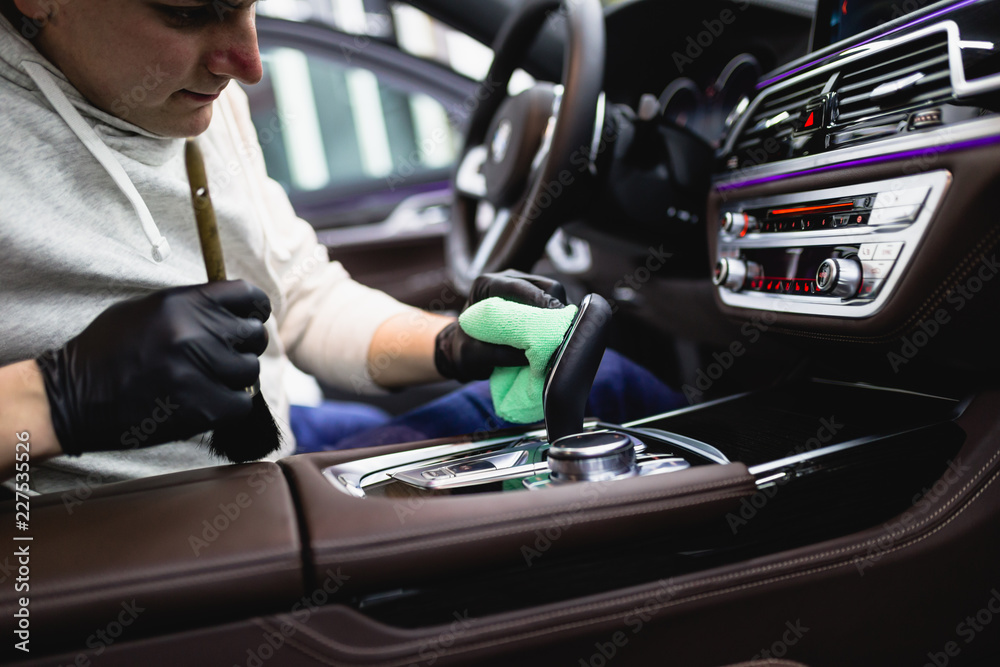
(698, 487)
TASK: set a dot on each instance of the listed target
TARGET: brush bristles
(250, 439)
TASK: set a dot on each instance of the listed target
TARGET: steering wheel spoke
(489, 242)
(469, 179)
(550, 129)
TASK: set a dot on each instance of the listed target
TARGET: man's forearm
(24, 408)
(402, 349)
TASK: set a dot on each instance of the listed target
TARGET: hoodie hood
(71, 107)
(119, 135)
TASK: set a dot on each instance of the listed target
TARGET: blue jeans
(622, 391)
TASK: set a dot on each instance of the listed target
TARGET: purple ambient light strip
(947, 148)
(940, 12)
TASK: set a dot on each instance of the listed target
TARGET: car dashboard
(908, 98)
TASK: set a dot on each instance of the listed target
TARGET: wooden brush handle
(208, 229)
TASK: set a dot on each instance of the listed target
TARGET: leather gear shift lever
(574, 366)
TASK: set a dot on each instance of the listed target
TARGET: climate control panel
(838, 252)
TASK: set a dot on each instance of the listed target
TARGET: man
(100, 260)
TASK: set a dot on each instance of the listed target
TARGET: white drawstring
(103, 154)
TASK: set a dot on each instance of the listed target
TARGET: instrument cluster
(709, 111)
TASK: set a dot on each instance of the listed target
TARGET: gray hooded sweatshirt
(82, 228)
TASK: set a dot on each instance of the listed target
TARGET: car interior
(781, 207)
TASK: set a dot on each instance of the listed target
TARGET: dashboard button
(909, 196)
(870, 287)
(867, 251)
(436, 473)
(878, 270)
(887, 251)
(881, 216)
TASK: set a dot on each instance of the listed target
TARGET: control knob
(594, 456)
(733, 273)
(738, 223)
(839, 276)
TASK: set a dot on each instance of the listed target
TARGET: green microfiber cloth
(517, 390)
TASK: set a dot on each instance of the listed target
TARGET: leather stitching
(641, 597)
(548, 511)
(615, 615)
(602, 515)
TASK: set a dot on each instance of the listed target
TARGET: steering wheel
(523, 154)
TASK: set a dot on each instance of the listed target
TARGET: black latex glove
(459, 356)
(164, 367)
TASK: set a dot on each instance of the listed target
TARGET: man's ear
(39, 10)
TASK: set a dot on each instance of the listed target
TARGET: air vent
(773, 121)
(901, 78)
(872, 92)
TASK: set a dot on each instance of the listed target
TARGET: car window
(422, 36)
(341, 126)
(414, 31)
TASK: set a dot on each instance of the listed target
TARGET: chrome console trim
(689, 408)
(768, 473)
(962, 134)
(347, 477)
(691, 445)
(517, 460)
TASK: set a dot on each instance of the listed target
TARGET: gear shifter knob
(573, 368)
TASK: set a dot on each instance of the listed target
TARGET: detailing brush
(258, 435)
